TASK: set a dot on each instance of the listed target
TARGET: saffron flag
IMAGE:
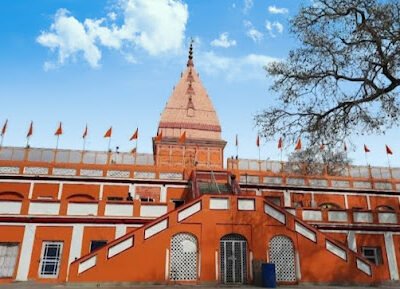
(366, 149)
(108, 132)
(258, 140)
(30, 130)
(59, 130)
(280, 143)
(388, 150)
(237, 141)
(182, 138)
(159, 136)
(4, 129)
(85, 132)
(298, 145)
(135, 134)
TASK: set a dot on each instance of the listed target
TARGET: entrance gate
(233, 250)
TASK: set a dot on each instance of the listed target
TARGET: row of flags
(107, 134)
(298, 145)
(59, 131)
(182, 138)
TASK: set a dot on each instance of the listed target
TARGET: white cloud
(156, 26)
(223, 41)
(69, 37)
(273, 27)
(248, 4)
(276, 10)
(242, 68)
(252, 32)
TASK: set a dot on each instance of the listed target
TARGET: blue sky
(114, 63)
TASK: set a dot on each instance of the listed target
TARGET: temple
(183, 215)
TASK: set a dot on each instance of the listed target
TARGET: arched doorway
(233, 251)
(183, 261)
(281, 253)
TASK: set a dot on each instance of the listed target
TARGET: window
(112, 198)
(384, 208)
(8, 259)
(329, 206)
(146, 199)
(96, 244)
(50, 261)
(275, 200)
(178, 203)
(373, 254)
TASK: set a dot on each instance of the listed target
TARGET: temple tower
(189, 132)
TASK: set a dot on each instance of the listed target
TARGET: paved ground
(29, 285)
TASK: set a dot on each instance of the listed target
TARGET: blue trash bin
(268, 275)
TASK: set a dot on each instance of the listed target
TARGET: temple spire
(190, 59)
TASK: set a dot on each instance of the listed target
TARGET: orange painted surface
(43, 233)
(357, 202)
(392, 202)
(340, 237)
(329, 198)
(176, 193)
(45, 190)
(78, 192)
(115, 191)
(22, 189)
(97, 234)
(209, 226)
(375, 240)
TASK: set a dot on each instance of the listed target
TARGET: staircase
(144, 255)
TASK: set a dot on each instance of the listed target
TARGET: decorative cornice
(185, 125)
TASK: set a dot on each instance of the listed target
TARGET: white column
(391, 256)
(351, 241)
(76, 244)
(101, 192)
(298, 271)
(166, 264)
(132, 190)
(31, 190)
(163, 194)
(120, 230)
(26, 252)
(287, 198)
(60, 189)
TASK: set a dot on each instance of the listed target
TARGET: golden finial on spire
(190, 60)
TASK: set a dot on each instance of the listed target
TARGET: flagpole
(27, 141)
(237, 151)
(136, 150)
(58, 138)
(109, 144)
(84, 144)
(366, 158)
(1, 142)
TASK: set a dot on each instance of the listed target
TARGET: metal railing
(314, 169)
(74, 156)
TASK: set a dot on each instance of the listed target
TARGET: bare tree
(344, 77)
(316, 161)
